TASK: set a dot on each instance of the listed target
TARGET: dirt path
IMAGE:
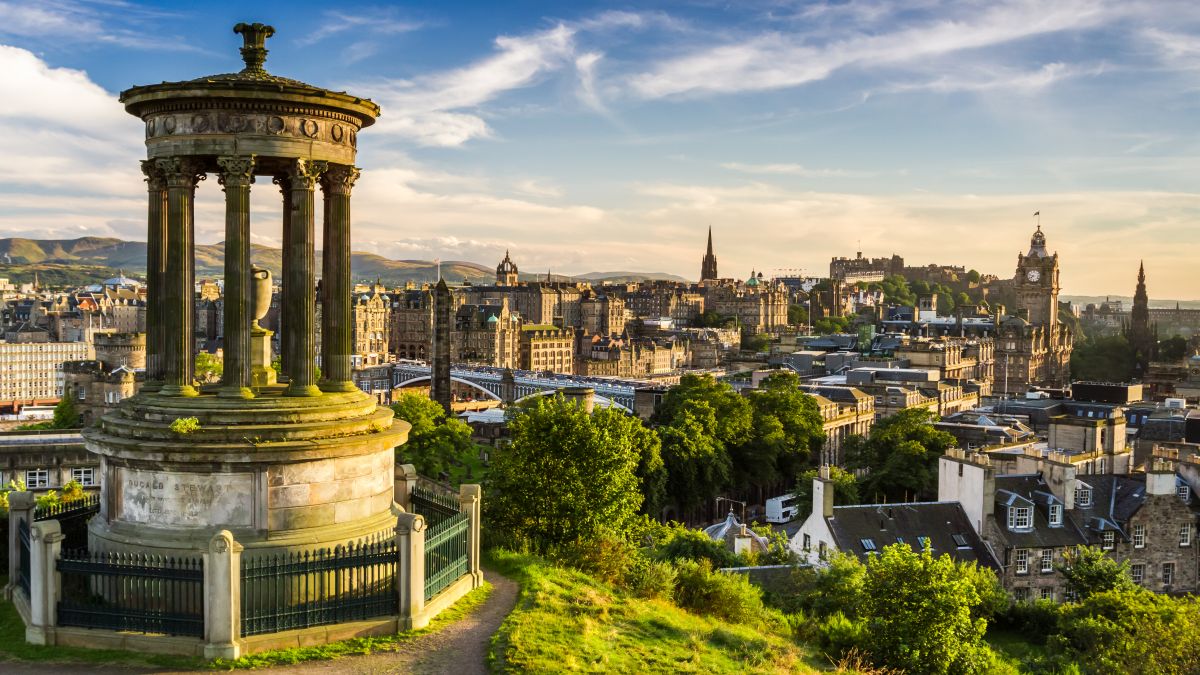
(458, 649)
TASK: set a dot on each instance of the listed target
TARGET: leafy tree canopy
(1088, 571)
(566, 476)
(436, 442)
(1107, 358)
(1173, 348)
(901, 457)
(786, 431)
(1130, 630)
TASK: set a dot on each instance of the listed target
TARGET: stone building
(99, 384)
(488, 335)
(547, 348)
(47, 461)
(31, 367)
(372, 331)
(410, 324)
(758, 305)
(1033, 348)
(602, 314)
(506, 272)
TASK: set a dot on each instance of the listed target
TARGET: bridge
(524, 384)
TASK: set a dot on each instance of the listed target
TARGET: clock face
(1034, 275)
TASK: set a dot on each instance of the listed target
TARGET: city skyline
(602, 139)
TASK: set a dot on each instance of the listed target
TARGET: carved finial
(254, 47)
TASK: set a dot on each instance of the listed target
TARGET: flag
(1037, 213)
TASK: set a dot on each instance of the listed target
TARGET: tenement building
(372, 329)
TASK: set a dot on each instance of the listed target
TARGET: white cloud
(796, 170)
(776, 60)
(430, 109)
(67, 21)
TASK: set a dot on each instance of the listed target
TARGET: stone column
(410, 570)
(20, 507)
(237, 173)
(301, 281)
(337, 318)
(179, 287)
(45, 542)
(470, 499)
(223, 597)
(285, 188)
(156, 249)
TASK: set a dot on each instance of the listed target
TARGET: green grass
(567, 621)
(14, 648)
(359, 646)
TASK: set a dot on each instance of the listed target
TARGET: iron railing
(88, 505)
(23, 552)
(445, 553)
(132, 592)
(434, 505)
(316, 588)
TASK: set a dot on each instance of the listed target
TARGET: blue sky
(609, 136)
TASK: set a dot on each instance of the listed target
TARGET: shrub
(647, 578)
(1035, 620)
(695, 545)
(728, 596)
(606, 556)
(839, 635)
(184, 425)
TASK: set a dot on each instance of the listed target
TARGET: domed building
(506, 272)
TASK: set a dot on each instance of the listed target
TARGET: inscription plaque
(187, 499)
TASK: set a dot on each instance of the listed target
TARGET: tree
(797, 315)
(786, 432)
(1087, 571)
(567, 476)
(436, 443)
(831, 324)
(1173, 348)
(973, 276)
(208, 367)
(66, 413)
(651, 470)
(756, 342)
(698, 466)
(924, 614)
(900, 456)
(1108, 358)
(729, 407)
(1130, 630)
(845, 489)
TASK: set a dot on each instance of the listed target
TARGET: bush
(184, 426)
(1036, 621)
(606, 557)
(694, 545)
(728, 596)
(839, 635)
(647, 578)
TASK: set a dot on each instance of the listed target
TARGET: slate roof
(1031, 489)
(866, 528)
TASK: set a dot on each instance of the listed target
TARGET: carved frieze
(305, 126)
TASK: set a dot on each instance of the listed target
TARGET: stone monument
(300, 464)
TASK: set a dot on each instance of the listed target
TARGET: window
(1083, 495)
(1168, 573)
(1184, 492)
(1047, 593)
(1137, 572)
(960, 541)
(867, 544)
(1139, 536)
(37, 478)
(1020, 517)
(807, 542)
(1047, 560)
(1185, 534)
(821, 550)
(1021, 594)
(923, 542)
(1022, 560)
(1110, 539)
(84, 476)
(1056, 515)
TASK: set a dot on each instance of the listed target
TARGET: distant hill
(1127, 301)
(93, 259)
(99, 258)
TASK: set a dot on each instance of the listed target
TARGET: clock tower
(1036, 283)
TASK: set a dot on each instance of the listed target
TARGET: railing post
(45, 542)
(470, 499)
(223, 597)
(20, 507)
(410, 570)
(406, 480)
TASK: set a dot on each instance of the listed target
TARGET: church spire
(708, 266)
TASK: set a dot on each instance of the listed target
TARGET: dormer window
(1056, 513)
(1083, 495)
(1020, 517)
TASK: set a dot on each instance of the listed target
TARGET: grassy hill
(567, 621)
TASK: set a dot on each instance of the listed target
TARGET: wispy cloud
(774, 60)
(796, 170)
(368, 28)
(58, 22)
